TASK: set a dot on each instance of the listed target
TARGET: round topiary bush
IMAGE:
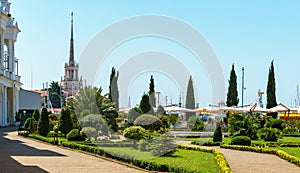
(148, 122)
(135, 133)
(241, 140)
(74, 135)
(90, 132)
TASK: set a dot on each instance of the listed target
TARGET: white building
(9, 78)
(71, 82)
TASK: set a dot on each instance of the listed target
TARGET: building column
(16, 102)
(1, 50)
(5, 106)
(10, 56)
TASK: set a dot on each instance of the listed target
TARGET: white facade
(9, 77)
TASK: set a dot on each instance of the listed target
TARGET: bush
(74, 135)
(148, 122)
(218, 134)
(241, 140)
(165, 121)
(36, 115)
(29, 124)
(65, 121)
(269, 134)
(163, 145)
(276, 123)
(290, 131)
(53, 117)
(43, 124)
(135, 133)
(90, 132)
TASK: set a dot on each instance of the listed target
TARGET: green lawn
(289, 140)
(294, 151)
(193, 161)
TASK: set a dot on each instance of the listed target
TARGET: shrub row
(221, 161)
(279, 153)
(208, 143)
(41, 138)
(125, 158)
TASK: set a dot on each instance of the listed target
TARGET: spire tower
(71, 59)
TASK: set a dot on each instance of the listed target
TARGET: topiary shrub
(65, 121)
(43, 124)
(135, 133)
(29, 124)
(36, 115)
(163, 145)
(241, 140)
(218, 134)
(269, 134)
(90, 132)
(148, 122)
(74, 135)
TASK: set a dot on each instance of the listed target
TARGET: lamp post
(243, 71)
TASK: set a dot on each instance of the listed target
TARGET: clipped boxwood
(74, 135)
(241, 140)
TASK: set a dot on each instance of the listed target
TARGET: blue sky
(248, 33)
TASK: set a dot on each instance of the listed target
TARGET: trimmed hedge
(241, 140)
(279, 153)
(208, 143)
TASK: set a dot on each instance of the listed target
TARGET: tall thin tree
(271, 90)
(113, 87)
(232, 94)
(190, 98)
(152, 92)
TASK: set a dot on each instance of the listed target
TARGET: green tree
(164, 145)
(54, 94)
(43, 124)
(36, 114)
(65, 121)
(218, 134)
(91, 98)
(152, 92)
(271, 90)
(190, 98)
(113, 87)
(232, 94)
(145, 104)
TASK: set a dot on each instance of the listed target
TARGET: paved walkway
(250, 162)
(22, 155)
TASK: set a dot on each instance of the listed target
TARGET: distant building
(29, 100)
(9, 77)
(71, 82)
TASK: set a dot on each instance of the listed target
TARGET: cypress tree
(232, 94)
(271, 90)
(65, 121)
(43, 124)
(145, 104)
(190, 98)
(113, 87)
(152, 92)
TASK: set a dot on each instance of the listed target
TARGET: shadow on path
(9, 148)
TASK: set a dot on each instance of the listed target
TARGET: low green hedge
(221, 161)
(208, 143)
(279, 153)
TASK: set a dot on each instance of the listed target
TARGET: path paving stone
(22, 155)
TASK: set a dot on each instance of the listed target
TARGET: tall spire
(71, 59)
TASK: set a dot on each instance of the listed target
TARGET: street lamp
(243, 88)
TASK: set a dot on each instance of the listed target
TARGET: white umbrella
(177, 109)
